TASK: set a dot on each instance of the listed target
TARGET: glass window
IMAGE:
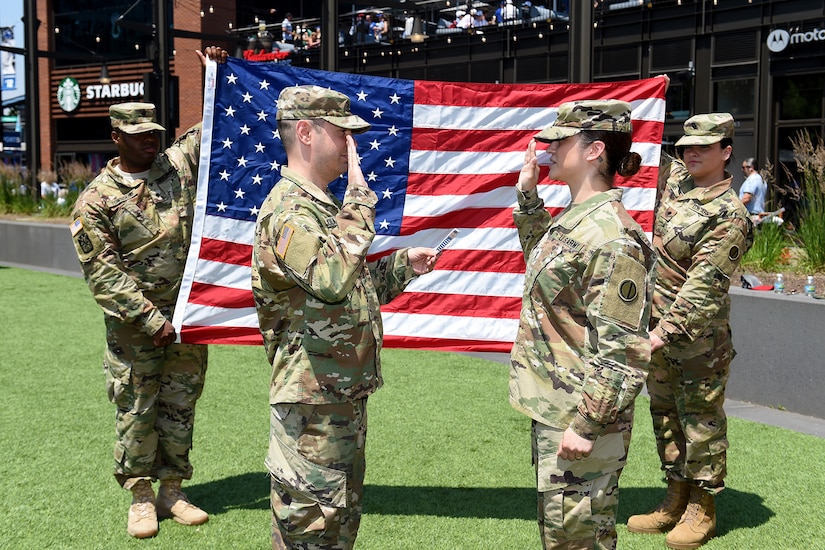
(678, 99)
(800, 97)
(737, 97)
(85, 32)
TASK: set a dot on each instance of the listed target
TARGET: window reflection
(85, 30)
(800, 97)
(736, 97)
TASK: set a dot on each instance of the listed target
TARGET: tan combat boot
(143, 519)
(173, 503)
(698, 523)
(664, 517)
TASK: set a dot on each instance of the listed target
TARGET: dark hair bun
(630, 164)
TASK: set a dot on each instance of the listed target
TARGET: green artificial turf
(448, 460)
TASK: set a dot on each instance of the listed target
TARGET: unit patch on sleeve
(623, 299)
(86, 242)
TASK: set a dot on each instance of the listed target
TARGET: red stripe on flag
(491, 261)
(245, 336)
(456, 305)
(446, 344)
(226, 252)
(643, 218)
(220, 296)
(645, 177)
(464, 184)
(469, 217)
(448, 139)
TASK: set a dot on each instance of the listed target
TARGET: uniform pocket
(135, 227)
(677, 247)
(608, 455)
(118, 373)
(318, 483)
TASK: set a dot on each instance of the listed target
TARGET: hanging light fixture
(417, 35)
(104, 74)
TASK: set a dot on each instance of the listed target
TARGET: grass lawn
(448, 460)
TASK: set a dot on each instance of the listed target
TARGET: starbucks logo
(68, 94)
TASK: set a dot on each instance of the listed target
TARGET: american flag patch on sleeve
(283, 241)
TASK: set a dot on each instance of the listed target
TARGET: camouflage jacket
(582, 348)
(132, 238)
(318, 299)
(700, 235)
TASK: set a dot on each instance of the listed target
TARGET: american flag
(439, 156)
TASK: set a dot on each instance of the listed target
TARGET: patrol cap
(305, 102)
(134, 118)
(573, 117)
(707, 129)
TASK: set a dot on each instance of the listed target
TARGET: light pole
(160, 65)
(32, 97)
(581, 41)
(329, 46)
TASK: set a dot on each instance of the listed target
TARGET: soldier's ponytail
(620, 159)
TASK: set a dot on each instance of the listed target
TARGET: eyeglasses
(745, 167)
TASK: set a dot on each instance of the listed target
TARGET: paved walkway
(738, 409)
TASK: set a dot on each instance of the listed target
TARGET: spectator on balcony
(510, 12)
(463, 20)
(498, 16)
(314, 40)
(526, 10)
(286, 29)
(381, 29)
(479, 18)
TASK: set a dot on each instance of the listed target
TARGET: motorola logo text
(780, 39)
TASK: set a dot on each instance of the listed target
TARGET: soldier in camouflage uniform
(582, 348)
(318, 303)
(701, 232)
(131, 231)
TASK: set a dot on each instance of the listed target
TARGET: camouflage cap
(305, 102)
(707, 129)
(575, 116)
(134, 118)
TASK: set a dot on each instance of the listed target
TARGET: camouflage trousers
(578, 499)
(687, 393)
(317, 462)
(154, 390)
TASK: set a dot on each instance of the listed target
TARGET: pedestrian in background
(701, 232)
(318, 302)
(131, 232)
(754, 190)
(582, 348)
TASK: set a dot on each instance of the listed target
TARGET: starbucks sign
(68, 94)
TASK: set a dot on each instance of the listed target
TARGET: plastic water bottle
(779, 284)
(810, 288)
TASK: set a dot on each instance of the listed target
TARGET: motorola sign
(780, 39)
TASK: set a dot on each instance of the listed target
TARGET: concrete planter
(780, 340)
(41, 246)
(780, 345)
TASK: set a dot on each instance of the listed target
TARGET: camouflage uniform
(318, 304)
(132, 238)
(700, 234)
(581, 352)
